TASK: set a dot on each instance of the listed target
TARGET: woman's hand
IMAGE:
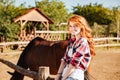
(63, 78)
(62, 65)
(57, 77)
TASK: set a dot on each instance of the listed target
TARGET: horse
(41, 52)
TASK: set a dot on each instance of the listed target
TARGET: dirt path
(12, 57)
(105, 65)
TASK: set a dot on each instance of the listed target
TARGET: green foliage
(94, 13)
(115, 25)
(99, 30)
(54, 9)
(9, 31)
(97, 16)
(115, 14)
(8, 12)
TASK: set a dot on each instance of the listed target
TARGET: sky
(70, 3)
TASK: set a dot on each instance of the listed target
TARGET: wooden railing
(42, 74)
(49, 35)
(52, 35)
(106, 42)
(99, 42)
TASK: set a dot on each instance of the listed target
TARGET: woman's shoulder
(83, 39)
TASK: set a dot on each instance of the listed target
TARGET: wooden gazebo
(35, 15)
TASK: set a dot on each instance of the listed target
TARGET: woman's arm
(69, 71)
(62, 65)
(81, 55)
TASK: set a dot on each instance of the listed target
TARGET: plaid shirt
(81, 53)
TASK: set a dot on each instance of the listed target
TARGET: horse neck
(22, 63)
(17, 76)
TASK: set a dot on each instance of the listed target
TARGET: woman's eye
(72, 26)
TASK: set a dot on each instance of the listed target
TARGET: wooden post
(1, 48)
(43, 73)
(107, 42)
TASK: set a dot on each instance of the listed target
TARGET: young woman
(79, 51)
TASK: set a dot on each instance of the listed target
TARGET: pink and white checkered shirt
(81, 53)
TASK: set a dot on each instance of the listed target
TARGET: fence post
(1, 49)
(43, 73)
(107, 41)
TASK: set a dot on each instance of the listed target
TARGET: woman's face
(74, 30)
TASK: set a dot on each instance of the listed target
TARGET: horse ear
(10, 73)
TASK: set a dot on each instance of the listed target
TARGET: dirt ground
(105, 65)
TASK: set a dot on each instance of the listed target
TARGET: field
(105, 65)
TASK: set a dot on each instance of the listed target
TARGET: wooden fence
(53, 35)
(42, 74)
(44, 71)
(21, 44)
(107, 42)
(99, 42)
(49, 35)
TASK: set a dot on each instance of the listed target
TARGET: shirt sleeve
(81, 56)
(65, 57)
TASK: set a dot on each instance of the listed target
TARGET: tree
(94, 13)
(8, 29)
(116, 20)
(56, 11)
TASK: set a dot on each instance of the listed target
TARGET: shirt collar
(72, 40)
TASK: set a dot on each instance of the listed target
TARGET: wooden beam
(23, 23)
(46, 24)
(21, 70)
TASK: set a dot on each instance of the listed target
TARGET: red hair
(81, 22)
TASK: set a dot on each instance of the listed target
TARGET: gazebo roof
(34, 14)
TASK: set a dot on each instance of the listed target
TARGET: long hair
(85, 32)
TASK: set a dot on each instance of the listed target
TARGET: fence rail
(106, 42)
(99, 42)
(13, 43)
(42, 74)
(106, 38)
(56, 32)
(52, 35)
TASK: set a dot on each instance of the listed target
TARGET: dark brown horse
(40, 52)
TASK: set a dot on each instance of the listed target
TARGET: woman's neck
(77, 37)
